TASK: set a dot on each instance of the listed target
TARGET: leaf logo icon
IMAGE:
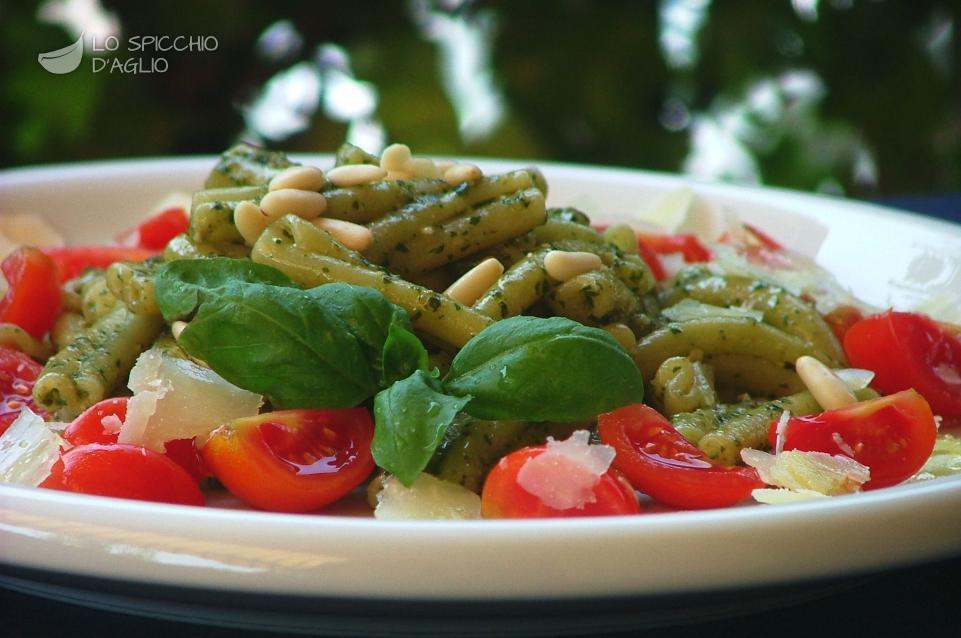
(63, 60)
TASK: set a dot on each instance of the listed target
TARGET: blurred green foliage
(581, 82)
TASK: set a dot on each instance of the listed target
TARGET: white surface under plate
(886, 257)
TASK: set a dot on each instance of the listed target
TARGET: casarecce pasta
(716, 350)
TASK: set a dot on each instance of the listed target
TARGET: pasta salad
(447, 341)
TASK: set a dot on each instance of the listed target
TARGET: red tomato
(652, 260)
(503, 496)
(292, 460)
(841, 319)
(688, 245)
(18, 372)
(154, 232)
(908, 350)
(892, 435)
(123, 471)
(73, 260)
(32, 300)
(758, 237)
(660, 462)
(184, 453)
(89, 428)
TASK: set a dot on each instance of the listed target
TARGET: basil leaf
(411, 417)
(536, 369)
(331, 346)
(282, 343)
(403, 353)
(180, 284)
(382, 328)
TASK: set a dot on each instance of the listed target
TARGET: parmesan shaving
(111, 424)
(780, 431)
(178, 399)
(817, 471)
(842, 444)
(781, 495)
(28, 450)
(564, 475)
(427, 498)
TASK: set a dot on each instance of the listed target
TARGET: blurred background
(855, 97)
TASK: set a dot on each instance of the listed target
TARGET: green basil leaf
(411, 417)
(403, 353)
(282, 343)
(537, 369)
(382, 328)
(180, 284)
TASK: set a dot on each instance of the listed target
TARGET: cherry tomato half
(18, 372)
(293, 460)
(89, 428)
(157, 230)
(73, 260)
(123, 471)
(908, 350)
(660, 462)
(892, 435)
(32, 300)
(652, 246)
(688, 245)
(504, 497)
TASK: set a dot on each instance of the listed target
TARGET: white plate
(885, 256)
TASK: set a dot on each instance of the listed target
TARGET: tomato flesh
(504, 497)
(908, 350)
(156, 231)
(89, 428)
(18, 372)
(660, 462)
(123, 471)
(292, 460)
(32, 300)
(892, 435)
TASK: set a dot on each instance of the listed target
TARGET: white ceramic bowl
(886, 257)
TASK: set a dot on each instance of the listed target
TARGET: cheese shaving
(780, 431)
(28, 450)
(428, 498)
(178, 399)
(781, 495)
(564, 475)
(817, 471)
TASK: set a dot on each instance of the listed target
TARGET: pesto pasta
(425, 318)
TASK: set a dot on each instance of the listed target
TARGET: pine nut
(250, 221)
(304, 178)
(475, 282)
(562, 265)
(290, 201)
(395, 157)
(354, 236)
(459, 173)
(355, 174)
(443, 165)
(395, 175)
(623, 335)
(424, 167)
(827, 388)
(177, 327)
